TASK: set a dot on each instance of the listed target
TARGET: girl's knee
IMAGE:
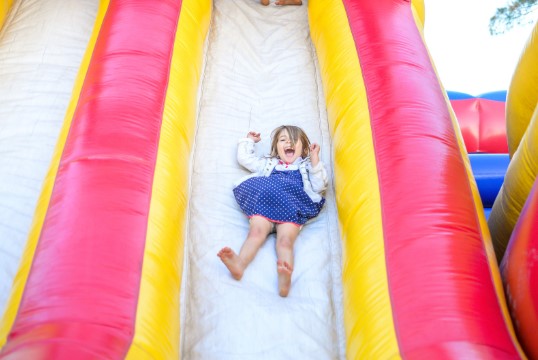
(284, 243)
(260, 226)
(256, 232)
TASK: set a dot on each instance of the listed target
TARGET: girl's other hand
(314, 153)
(314, 149)
(255, 136)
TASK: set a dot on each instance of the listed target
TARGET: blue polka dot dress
(279, 197)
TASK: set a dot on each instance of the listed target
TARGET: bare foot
(288, 2)
(284, 277)
(264, 2)
(232, 261)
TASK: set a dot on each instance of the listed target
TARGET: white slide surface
(260, 72)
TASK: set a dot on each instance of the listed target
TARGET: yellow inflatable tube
(5, 7)
(522, 131)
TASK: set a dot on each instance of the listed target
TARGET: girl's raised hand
(314, 153)
(255, 136)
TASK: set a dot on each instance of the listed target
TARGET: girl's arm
(246, 155)
(314, 154)
(318, 173)
(318, 177)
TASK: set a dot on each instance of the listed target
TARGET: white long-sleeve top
(315, 178)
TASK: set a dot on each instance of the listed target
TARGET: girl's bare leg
(264, 2)
(288, 2)
(285, 239)
(257, 234)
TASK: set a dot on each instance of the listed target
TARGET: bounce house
(119, 122)
(483, 128)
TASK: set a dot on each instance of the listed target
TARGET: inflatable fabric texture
(522, 93)
(520, 276)
(5, 7)
(482, 121)
(108, 150)
(368, 226)
(42, 45)
(483, 127)
(489, 171)
(120, 258)
(513, 217)
(519, 178)
(522, 131)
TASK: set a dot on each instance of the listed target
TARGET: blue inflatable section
(494, 95)
(454, 95)
(489, 171)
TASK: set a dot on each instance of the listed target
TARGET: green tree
(517, 12)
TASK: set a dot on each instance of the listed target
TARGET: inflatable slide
(119, 161)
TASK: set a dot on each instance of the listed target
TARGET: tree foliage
(517, 12)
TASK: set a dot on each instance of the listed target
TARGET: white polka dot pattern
(279, 197)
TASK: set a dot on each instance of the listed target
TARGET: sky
(467, 58)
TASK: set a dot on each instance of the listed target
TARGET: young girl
(280, 196)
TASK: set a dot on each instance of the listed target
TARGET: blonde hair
(295, 133)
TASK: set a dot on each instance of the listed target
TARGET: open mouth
(289, 152)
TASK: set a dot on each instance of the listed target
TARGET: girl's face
(285, 150)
